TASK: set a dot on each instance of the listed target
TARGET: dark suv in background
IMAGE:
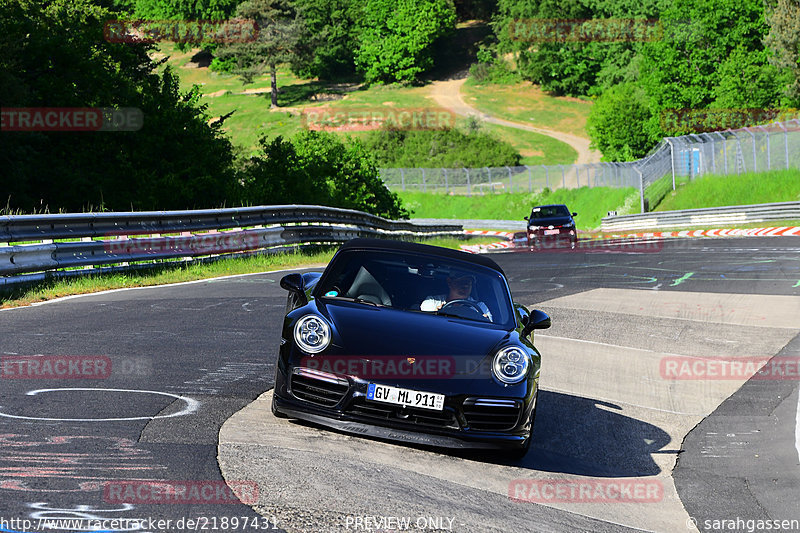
(551, 225)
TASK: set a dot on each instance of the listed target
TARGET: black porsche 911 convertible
(410, 342)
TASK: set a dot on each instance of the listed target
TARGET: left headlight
(511, 365)
(312, 334)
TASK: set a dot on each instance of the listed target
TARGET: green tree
(711, 53)
(183, 9)
(615, 124)
(325, 46)
(593, 48)
(277, 37)
(54, 55)
(784, 40)
(446, 147)
(396, 37)
(318, 168)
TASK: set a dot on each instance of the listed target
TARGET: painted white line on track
(797, 427)
(191, 406)
(55, 300)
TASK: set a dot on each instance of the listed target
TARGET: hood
(366, 330)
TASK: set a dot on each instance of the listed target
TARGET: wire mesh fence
(673, 161)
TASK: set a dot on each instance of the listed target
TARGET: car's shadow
(581, 436)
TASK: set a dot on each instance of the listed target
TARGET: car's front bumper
(563, 235)
(449, 428)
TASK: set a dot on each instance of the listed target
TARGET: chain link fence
(673, 161)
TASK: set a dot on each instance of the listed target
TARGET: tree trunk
(274, 86)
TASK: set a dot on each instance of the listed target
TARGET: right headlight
(312, 334)
(511, 365)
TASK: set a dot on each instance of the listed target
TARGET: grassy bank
(744, 189)
(253, 118)
(528, 104)
(170, 273)
(591, 204)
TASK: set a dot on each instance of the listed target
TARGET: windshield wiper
(356, 300)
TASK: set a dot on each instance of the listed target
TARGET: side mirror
(526, 218)
(574, 214)
(537, 320)
(294, 284)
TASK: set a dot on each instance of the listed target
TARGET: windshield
(419, 283)
(550, 211)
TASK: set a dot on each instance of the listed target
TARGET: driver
(460, 288)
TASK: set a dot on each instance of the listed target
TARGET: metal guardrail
(37, 243)
(737, 214)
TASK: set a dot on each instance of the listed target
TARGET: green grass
(172, 273)
(744, 189)
(535, 148)
(253, 117)
(591, 204)
(526, 103)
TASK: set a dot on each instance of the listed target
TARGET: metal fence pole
(469, 189)
(755, 162)
(546, 177)
(671, 159)
(713, 154)
(724, 151)
(403, 178)
(446, 187)
(510, 181)
(641, 188)
(530, 178)
(424, 186)
(785, 143)
(563, 178)
(769, 156)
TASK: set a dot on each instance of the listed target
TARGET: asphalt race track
(176, 389)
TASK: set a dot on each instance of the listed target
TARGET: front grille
(399, 415)
(317, 387)
(491, 414)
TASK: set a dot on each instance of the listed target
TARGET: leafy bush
(492, 69)
(54, 53)
(617, 123)
(449, 148)
(318, 168)
(396, 37)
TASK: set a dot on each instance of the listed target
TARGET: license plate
(551, 232)
(408, 397)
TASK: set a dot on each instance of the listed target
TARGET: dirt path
(448, 95)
